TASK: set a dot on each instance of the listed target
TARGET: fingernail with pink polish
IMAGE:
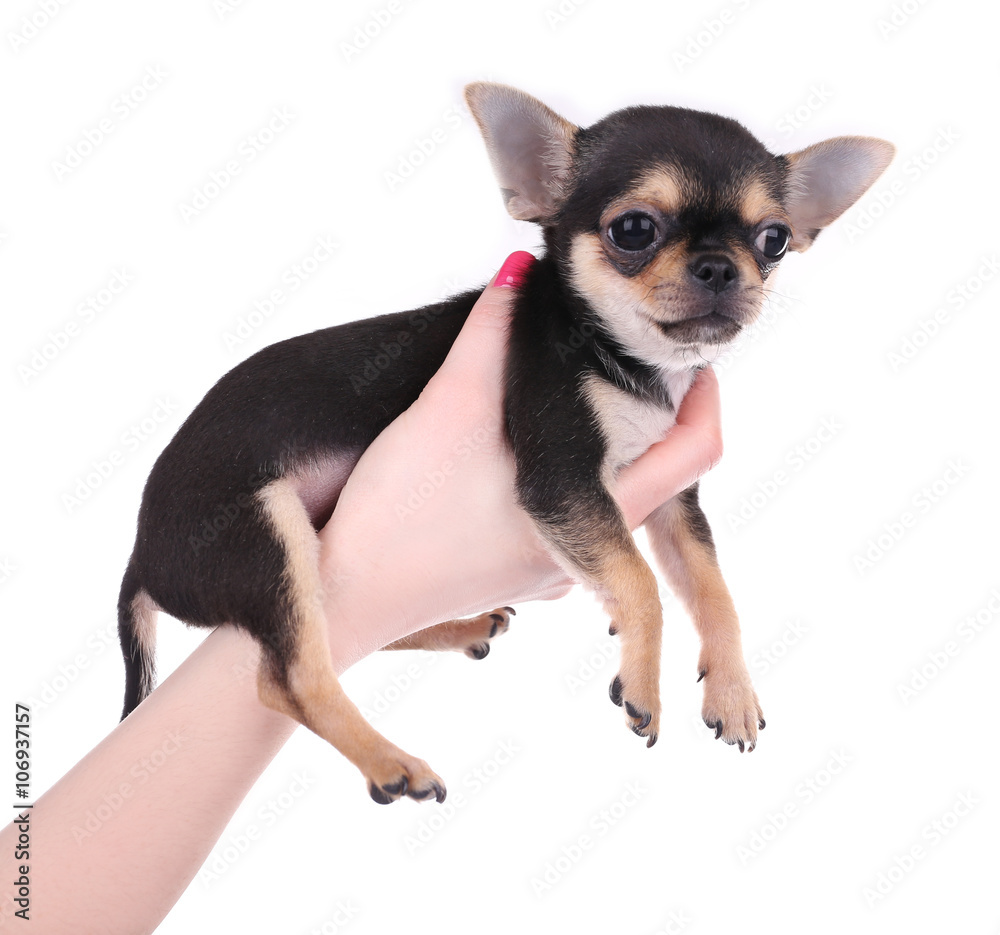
(514, 270)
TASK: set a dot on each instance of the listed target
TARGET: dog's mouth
(710, 328)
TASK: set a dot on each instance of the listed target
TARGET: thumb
(692, 447)
(475, 363)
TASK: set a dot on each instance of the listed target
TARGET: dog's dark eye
(633, 232)
(773, 242)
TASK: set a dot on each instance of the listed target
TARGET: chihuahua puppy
(662, 227)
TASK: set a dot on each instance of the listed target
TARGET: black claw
(481, 651)
(761, 725)
(718, 729)
(701, 675)
(616, 691)
(435, 789)
(642, 717)
(397, 788)
(652, 740)
(378, 795)
(612, 631)
(740, 742)
(494, 628)
(511, 611)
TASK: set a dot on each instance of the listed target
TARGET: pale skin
(432, 550)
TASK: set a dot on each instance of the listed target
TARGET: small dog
(662, 229)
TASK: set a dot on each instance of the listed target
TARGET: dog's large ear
(825, 179)
(530, 146)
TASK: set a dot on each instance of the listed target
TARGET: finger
(475, 363)
(701, 405)
(692, 447)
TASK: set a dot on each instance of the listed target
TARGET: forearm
(117, 840)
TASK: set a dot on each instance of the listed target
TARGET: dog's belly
(629, 424)
(319, 482)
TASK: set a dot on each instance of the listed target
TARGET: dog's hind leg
(471, 636)
(297, 676)
(681, 540)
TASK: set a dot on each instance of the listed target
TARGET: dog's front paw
(731, 707)
(642, 708)
(483, 628)
(401, 775)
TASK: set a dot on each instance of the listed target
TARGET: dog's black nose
(714, 271)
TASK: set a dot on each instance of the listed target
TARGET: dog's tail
(137, 632)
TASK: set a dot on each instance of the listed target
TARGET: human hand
(428, 528)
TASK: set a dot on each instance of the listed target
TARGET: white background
(696, 845)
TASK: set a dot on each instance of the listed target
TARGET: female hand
(427, 527)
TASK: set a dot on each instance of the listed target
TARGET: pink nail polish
(514, 270)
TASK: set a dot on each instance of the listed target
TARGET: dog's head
(667, 221)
